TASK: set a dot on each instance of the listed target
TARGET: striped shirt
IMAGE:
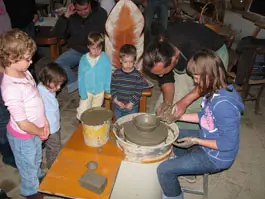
(127, 87)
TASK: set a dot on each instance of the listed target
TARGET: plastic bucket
(96, 126)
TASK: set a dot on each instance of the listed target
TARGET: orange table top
(62, 178)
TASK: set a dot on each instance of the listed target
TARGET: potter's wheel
(143, 138)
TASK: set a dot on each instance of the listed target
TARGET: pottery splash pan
(144, 154)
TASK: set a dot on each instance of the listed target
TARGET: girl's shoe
(35, 196)
(3, 195)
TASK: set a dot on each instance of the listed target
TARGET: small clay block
(93, 182)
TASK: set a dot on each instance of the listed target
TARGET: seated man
(81, 18)
(168, 60)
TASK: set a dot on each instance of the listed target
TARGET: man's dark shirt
(190, 37)
(75, 29)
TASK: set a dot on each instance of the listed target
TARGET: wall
(243, 27)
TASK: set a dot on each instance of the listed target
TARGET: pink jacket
(23, 102)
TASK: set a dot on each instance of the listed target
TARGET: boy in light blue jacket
(94, 75)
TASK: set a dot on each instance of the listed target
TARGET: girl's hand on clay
(186, 142)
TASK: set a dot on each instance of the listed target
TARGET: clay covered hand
(168, 113)
(186, 142)
(171, 115)
(163, 110)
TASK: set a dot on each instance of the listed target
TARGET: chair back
(124, 25)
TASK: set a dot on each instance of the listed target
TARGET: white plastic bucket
(96, 126)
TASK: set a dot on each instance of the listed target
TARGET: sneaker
(3, 195)
(35, 196)
(189, 179)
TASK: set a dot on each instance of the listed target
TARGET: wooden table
(44, 37)
(62, 178)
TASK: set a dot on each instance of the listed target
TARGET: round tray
(143, 138)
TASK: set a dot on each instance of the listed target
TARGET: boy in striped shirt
(127, 83)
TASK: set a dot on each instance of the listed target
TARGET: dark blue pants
(192, 161)
(5, 149)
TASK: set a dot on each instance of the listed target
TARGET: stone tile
(9, 177)
(225, 190)
(247, 193)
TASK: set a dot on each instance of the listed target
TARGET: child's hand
(129, 106)
(46, 129)
(43, 138)
(120, 104)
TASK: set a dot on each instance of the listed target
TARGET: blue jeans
(192, 161)
(158, 7)
(5, 149)
(67, 61)
(28, 156)
(120, 112)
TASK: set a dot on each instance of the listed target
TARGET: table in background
(44, 36)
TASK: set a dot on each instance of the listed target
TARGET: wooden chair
(142, 103)
(253, 78)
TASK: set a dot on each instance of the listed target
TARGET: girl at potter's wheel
(214, 147)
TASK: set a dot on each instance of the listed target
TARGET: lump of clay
(92, 165)
(93, 182)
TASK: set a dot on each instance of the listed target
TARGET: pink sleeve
(13, 98)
